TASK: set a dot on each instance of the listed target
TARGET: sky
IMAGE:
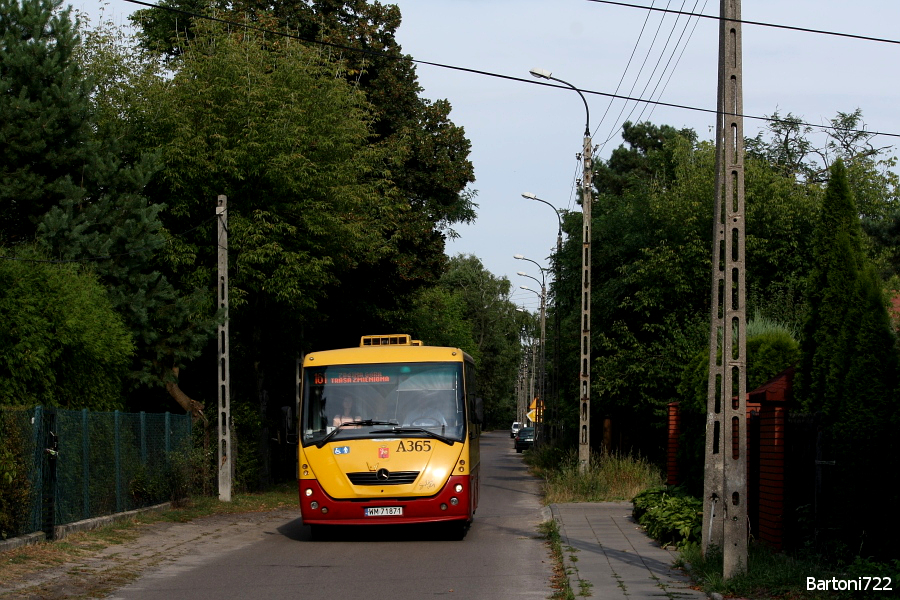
(526, 137)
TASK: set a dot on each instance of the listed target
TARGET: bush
(670, 516)
(61, 342)
(547, 458)
(193, 473)
(15, 485)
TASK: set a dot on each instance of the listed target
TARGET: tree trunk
(189, 405)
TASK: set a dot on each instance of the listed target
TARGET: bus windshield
(379, 400)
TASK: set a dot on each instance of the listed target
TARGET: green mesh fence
(60, 466)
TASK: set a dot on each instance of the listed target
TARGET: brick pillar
(673, 477)
(771, 474)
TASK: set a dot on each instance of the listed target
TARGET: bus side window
(474, 405)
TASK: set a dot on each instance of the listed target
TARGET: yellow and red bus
(389, 434)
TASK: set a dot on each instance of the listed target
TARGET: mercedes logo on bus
(382, 474)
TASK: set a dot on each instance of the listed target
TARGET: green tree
(45, 138)
(356, 233)
(309, 200)
(470, 308)
(651, 224)
(431, 169)
(123, 235)
(849, 368)
(61, 342)
(785, 146)
(305, 199)
(438, 318)
(885, 233)
(651, 268)
(74, 177)
(831, 297)
(110, 225)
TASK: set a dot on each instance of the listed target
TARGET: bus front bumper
(452, 503)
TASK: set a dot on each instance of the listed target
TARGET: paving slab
(606, 554)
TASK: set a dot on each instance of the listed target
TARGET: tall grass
(761, 324)
(609, 476)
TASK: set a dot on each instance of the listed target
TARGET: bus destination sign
(345, 377)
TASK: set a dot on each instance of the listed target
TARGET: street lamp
(584, 366)
(530, 196)
(554, 409)
(524, 274)
(539, 408)
(544, 74)
(534, 262)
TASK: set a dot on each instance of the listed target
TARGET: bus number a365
(414, 446)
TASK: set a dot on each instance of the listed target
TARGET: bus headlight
(443, 506)
(314, 505)
(458, 488)
(454, 501)
(308, 492)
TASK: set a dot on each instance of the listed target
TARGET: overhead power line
(759, 23)
(617, 126)
(494, 75)
(678, 60)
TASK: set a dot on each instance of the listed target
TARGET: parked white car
(514, 429)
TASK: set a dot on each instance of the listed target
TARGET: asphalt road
(272, 556)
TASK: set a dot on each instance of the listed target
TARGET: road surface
(272, 556)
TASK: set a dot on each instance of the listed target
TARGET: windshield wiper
(367, 422)
(436, 436)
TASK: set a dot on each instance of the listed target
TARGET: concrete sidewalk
(607, 555)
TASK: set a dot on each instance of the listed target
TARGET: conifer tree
(80, 194)
(45, 149)
(849, 371)
(830, 293)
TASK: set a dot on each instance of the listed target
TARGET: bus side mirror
(479, 411)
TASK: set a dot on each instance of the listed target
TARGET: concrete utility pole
(224, 445)
(584, 364)
(584, 426)
(725, 475)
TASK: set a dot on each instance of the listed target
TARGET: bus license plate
(384, 511)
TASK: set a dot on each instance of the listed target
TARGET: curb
(28, 539)
(569, 566)
(62, 531)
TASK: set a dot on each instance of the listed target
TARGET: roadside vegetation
(780, 575)
(611, 476)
